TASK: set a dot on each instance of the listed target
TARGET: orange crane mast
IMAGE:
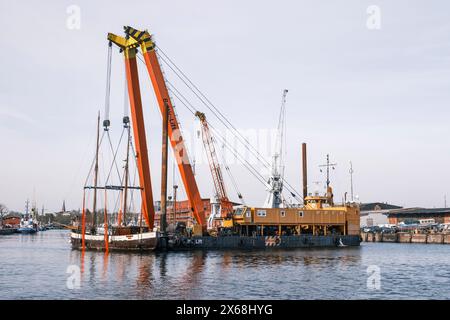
(144, 39)
(129, 48)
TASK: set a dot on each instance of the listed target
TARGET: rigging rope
(211, 107)
(249, 167)
(93, 162)
(221, 117)
(125, 98)
(114, 162)
(233, 180)
(108, 87)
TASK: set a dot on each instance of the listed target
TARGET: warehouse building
(417, 215)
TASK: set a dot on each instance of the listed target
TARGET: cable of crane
(247, 145)
(108, 87)
(132, 191)
(186, 154)
(231, 149)
(133, 152)
(93, 162)
(219, 115)
(249, 167)
(191, 108)
(125, 99)
(237, 134)
(233, 181)
(247, 164)
(114, 152)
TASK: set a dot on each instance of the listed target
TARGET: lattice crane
(225, 208)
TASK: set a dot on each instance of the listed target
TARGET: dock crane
(142, 39)
(222, 209)
(275, 183)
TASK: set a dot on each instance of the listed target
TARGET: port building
(414, 215)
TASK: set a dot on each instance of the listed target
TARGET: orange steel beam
(176, 139)
(137, 117)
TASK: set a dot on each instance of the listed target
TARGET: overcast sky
(377, 97)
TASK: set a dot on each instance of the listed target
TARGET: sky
(371, 87)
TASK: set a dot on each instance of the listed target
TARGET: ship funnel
(305, 173)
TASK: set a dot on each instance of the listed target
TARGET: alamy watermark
(73, 21)
(374, 277)
(373, 21)
(74, 279)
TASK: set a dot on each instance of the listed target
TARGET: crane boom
(176, 140)
(212, 157)
(226, 206)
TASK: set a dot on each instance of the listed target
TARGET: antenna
(351, 180)
(328, 165)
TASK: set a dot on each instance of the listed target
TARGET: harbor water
(43, 266)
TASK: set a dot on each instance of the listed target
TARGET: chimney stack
(305, 173)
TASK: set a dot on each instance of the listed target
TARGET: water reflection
(283, 274)
(92, 265)
(192, 281)
(145, 274)
(105, 265)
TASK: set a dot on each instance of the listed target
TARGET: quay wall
(406, 237)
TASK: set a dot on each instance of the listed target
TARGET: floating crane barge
(317, 222)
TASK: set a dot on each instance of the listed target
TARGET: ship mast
(328, 165)
(27, 206)
(329, 193)
(351, 179)
(94, 214)
(164, 160)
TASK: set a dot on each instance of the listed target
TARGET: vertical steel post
(165, 126)
(305, 173)
(174, 207)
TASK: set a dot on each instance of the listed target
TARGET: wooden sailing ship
(104, 230)
(116, 231)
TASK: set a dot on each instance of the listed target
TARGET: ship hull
(146, 241)
(26, 230)
(263, 242)
(7, 231)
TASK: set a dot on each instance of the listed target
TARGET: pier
(406, 237)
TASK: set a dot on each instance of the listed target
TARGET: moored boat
(119, 238)
(118, 230)
(27, 226)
